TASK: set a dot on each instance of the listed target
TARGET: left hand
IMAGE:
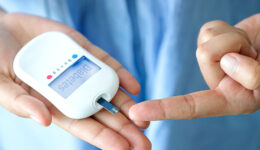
(103, 129)
(229, 62)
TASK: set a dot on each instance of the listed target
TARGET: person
(155, 42)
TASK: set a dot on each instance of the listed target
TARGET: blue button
(74, 56)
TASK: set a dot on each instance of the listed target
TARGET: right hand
(103, 129)
(230, 63)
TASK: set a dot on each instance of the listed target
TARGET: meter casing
(47, 56)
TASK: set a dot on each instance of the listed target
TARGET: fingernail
(31, 113)
(254, 51)
(139, 123)
(229, 64)
(36, 119)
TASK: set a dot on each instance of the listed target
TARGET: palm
(103, 129)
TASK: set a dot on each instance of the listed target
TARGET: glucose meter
(72, 79)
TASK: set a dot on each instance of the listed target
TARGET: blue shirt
(155, 41)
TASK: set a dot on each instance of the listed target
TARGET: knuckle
(206, 35)
(116, 142)
(192, 110)
(72, 124)
(209, 32)
(124, 126)
(121, 146)
(236, 37)
(203, 53)
(242, 32)
(164, 113)
(212, 24)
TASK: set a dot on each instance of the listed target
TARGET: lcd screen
(74, 76)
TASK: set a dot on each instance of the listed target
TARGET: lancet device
(73, 80)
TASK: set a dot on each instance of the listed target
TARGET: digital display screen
(74, 76)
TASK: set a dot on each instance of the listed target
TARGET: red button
(49, 76)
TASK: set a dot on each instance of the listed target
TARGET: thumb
(17, 100)
(242, 69)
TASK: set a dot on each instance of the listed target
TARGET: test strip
(108, 106)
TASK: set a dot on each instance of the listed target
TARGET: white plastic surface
(49, 51)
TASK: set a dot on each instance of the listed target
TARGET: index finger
(201, 104)
(219, 102)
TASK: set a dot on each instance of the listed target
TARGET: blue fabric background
(156, 41)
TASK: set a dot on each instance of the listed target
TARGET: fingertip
(128, 82)
(35, 109)
(46, 117)
(135, 112)
(147, 111)
(137, 89)
(44, 121)
(243, 69)
(42, 116)
(142, 124)
(229, 63)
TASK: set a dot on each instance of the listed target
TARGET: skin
(103, 129)
(229, 61)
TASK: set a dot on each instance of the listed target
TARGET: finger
(251, 26)
(217, 27)
(200, 104)
(120, 124)
(15, 99)
(242, 69)
(210, 53)
(121, 100)
(212, 29)
(90, 131)
(27, 23)
(124, 103)
(117, 122)
(207, 103)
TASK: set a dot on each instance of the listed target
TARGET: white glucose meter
(71, 78)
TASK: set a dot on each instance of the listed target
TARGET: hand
(103, 129)
(229, 62)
